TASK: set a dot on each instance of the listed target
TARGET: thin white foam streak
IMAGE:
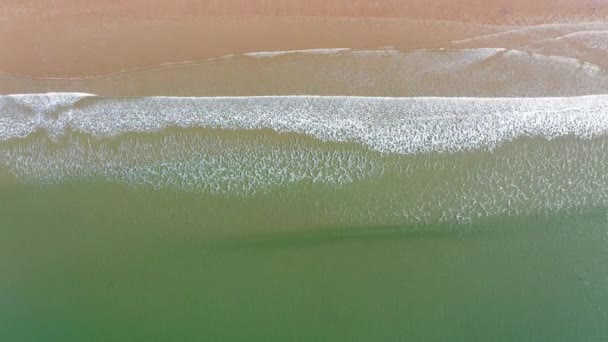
(126, 72)
(591, 39)
(577, 43)
(395, 125)
(595, 39)
(535, 32)
(269, 54)
(186, 64)
(193, 63)
(558, 61)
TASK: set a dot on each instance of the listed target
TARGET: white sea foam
(87, 143)
(207, 163)
(573, 43)
(267, 54)
(532, 33)
(589, 39)
(529, 177)
(398, 125)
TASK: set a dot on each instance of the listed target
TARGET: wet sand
(489, 11)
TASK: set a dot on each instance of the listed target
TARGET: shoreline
(42, 40)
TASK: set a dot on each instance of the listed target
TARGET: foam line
(267, 54)
(397, 125)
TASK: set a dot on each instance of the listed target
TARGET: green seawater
(97, 263)
(116, 240)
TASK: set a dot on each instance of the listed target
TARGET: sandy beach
(274, 48)
(85, 38)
